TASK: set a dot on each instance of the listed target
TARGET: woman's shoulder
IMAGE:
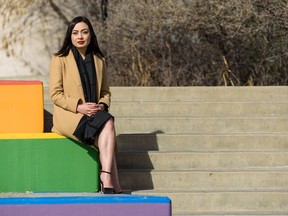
(56, 59)
(99, 58)
(62, 55)
(60, 58)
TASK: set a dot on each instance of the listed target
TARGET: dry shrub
(250, 36)
(215, 42)
(148, 42)
(172, 43)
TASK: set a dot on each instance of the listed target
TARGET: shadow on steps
(134, 162)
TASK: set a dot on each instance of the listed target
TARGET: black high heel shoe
(103, 189)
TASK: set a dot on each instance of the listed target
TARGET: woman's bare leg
(106, 144)
(114, 176)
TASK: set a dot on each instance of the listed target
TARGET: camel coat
(65, 89)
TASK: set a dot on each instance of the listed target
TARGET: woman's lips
(80, 42)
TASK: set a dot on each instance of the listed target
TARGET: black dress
(89, 127)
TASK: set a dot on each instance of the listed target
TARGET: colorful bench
(46, 162)
(31, 160)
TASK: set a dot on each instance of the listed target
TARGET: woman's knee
(109, 125)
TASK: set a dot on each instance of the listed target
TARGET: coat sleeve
(56, 90)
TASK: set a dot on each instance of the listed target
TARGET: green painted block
(47, 165)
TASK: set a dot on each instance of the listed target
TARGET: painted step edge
(30, 136)
(104, 205)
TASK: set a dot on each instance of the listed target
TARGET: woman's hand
(89, 109)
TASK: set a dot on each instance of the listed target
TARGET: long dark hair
(67, 43)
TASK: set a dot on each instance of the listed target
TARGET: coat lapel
(98, 67)
(73, 71)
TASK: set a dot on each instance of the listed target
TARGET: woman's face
(80, 36)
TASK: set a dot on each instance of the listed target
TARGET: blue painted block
(88, 205)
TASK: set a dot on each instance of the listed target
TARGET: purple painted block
(122, 205)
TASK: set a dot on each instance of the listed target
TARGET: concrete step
(194, 109)
(212, 122)
(208, 94)
(202, 125)
(232, 214)
(203, 180)
(204, 161)
(196, 125)
(225, 203)
(213, 93)
(198, 109)
(196, 94)
(48, 105)
(202, 143)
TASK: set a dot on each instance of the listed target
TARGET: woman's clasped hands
(89, 108)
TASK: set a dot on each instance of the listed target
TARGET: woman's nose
(80, 36)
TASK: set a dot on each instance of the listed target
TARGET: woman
(80, 92)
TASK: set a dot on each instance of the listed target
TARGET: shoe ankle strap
(106, 172)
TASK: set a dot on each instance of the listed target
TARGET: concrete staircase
(212, 150)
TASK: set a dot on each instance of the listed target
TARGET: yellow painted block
(21, 106)
(15, 136)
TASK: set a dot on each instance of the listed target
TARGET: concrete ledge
(120, 205)
(46, 162)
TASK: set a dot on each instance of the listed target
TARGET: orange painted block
(21, 106)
